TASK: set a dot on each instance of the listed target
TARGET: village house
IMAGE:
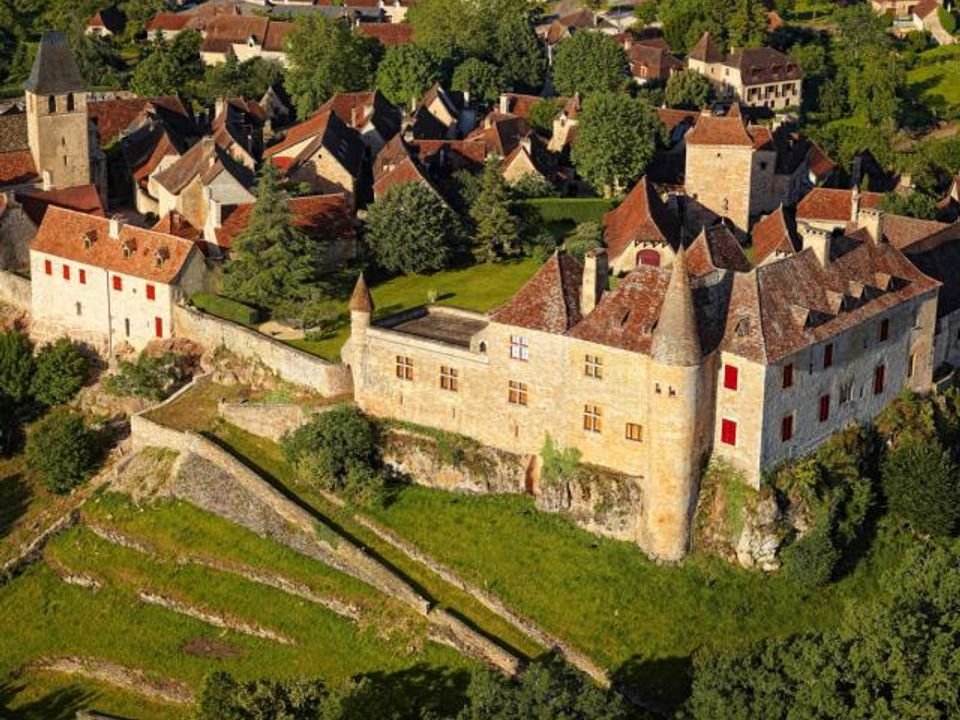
(758, 77)
(370, 114)
(441, 115)
(244, 37)
(107, 22)
(107, 283)
(650, 60)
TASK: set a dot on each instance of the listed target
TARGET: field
(937, 77)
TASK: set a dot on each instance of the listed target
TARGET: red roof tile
(325, 216)
(388, 34)
(17, 167)
(771, 234)
(833, 204)
(82, 198)
(641, 217)
(549, 301)
(717, 130)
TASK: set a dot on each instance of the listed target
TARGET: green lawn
(937, 76)
(479, 287)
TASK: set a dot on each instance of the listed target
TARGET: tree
(139, 12)
(327, 57)
(481, 79)
(272, 261)
(61, 450)
(646, 12)
(411, 230)
(921, 486)
(233, 78)
(169, 68)
(519, 52)
(747, 26)
(450, 28)
(150, 377)
(912, 204)
(17, 366)
(541, 116)
(224, 698)
(589, 63)
(875, 86)
(587, 236)
(687, 89)
(615, 141)
(810, 561)
(496, 231)
(406, 72)
(61, 370)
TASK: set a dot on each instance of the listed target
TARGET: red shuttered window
(728, 432)
(731, 377)
(117, 282)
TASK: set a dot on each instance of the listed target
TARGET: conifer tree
(496, 232)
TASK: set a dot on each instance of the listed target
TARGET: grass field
(937, 76)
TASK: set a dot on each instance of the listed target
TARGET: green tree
(222, 697)
(921, 486)
(518, 51)
(17, 366)
(451, 28)
(646, 12)
(810, 561)
(411, 230)
(481, 79)
(169, 68)
(496, 230)
(687, 89)
(912, 204)
(747, 26)
(61, 450)
(615, 141)
(61, 370)
(232, 78)
(149, 376)
(406, 72)
(272, 262)
(590, 63)
(138, 12)
(685, 21)
(586, 237)
(9, 424)
(541, 116)
(875, 86)
(327, 57)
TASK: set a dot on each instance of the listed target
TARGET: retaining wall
(269, 420)
(15, 291)
(292, 365)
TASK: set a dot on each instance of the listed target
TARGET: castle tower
(57, 125)
(361, 312)
(677, 401)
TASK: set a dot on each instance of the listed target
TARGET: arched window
(51, 104)
(648, 257)
(70, 102)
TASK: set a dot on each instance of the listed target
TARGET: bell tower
(57, 124)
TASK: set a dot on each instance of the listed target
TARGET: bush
(920, 484)
(61, 370)
(224, 698)
(541, 116)
(811, 559)
(559, 464)
(573, 210)
(147, 377)
(62, 450)
(588, 236)
(17, 366)
(225, 308)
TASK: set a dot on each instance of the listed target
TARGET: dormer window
(88, 239)
(161, 256)
(128, 249)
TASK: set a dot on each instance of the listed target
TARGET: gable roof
(55, 70)
(641, 217)
(324, 216)
(715, 248)
(549, 301)
(324, 129)
(719, 130)
(774, 234)
(706, 50)
(763, 65)
(82, 198)
(387, 34)
(835, 205)
(359, 108)
(205, 160)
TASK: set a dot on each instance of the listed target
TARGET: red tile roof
(908, 233)
(64, 233)
(716, 248)
(717, 130)
(772, 234)
(833, 204)
(549, 301)
(82, 198)
(325, 216)
(641, 217)
(17, 167)
(173, 223)
(172, 22)
(706, 50)
(388, 34)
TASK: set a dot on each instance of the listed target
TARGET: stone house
(107, 22)
(441, 115)
(925, 16)
(565, 125)
(107, 283)
(758, 77)
(651, 62)
(370, 114)
(245, 37)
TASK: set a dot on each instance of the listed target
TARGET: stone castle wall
(15, 291)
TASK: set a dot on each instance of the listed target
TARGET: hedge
(575, 210)
(225, 308)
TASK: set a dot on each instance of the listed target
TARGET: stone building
(707, 356)
(107, 283)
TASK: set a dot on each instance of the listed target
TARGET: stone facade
(719, 179)
(59, 138)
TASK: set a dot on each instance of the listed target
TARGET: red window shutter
(884, 329)
(731, 376)
(48, 267)
(788, 375)
(828, 356)
(66, 272)
(151, 292)
(824, 408)
(117, 282)
(158, 327)
(878, 378)
(786, 428)
(728, 432)
(82, 274)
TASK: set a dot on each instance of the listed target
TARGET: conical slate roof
(55, 69)
(675, 339)
(361, 300)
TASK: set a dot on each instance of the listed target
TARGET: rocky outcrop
(762, 534)
(599, 501)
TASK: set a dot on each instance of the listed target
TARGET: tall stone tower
(57, 125)
(678, 398)
(361, 313)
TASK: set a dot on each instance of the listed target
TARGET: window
(731, 377)
(634, 432)
(117, 282)
(449, 379)
(828, 356)
(517, 393)
(884, 329)
(70, 102)
(878, 377)
(519, 348)
(126, 326)
(66, 272)
(404, 367)
(824, 408)
(728, 432)
(79, 309)
(51, 104)
(786, 428)
(788, 375)
(151, 292)
(593, 367)
(592, 418)
(910, 362)
(82, 276)
(48, 267)
(158, 327)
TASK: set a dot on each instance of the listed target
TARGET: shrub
(226, 308)
(920, 484)
(147, 377)
(8, 425)
(587, 236)
(62, 450)
(224, 698)
(61, 370)
(574, 210)
(17, 366)
(811, 559)
(559, 464)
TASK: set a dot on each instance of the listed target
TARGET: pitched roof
(763, 65)
(658, 61)
(322, 216)
(207, 160)
(706, 50)
(113, 116)
(55, 70)
(359, 108)
(715, 248)
(549, 301)
(360, 299)
(719, 130)
(502, 134)
(387, 34)
(925, 7)
(82, 198)
(111, 18)
(13, 132)
(832, 204)
(173, 22)
(641, 217)
(676, 340)
(17, 167)
(66, 234)
(904, 232)
(173, 223)
(325, 129)
(774, 233)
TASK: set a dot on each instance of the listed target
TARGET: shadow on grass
(661, 685)
(327, 521)
(15, 497)
(60, 704)
(420, 691)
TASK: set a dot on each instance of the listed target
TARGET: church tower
(57, 124)
(678, 398)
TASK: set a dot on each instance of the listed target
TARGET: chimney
(504, 103)
(526, 144)
(47, 180)
(219, 107)
(594, 280)
(869, 219)
(116, 222)
(817, 240)
(855, 204)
